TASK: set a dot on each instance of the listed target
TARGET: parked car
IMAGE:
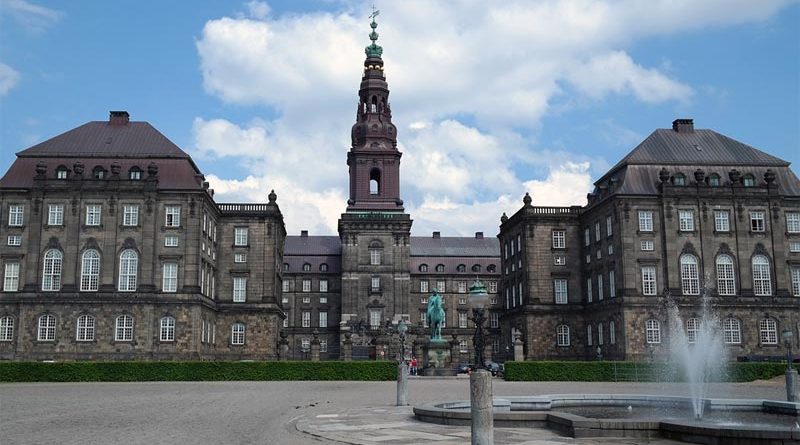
(496, 369)
(465, 368)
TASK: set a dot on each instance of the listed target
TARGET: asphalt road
(246, 412)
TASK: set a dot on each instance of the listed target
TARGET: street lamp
(480, 380)
(791, 373)
(402, 367)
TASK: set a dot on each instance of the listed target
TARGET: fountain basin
(731, 421)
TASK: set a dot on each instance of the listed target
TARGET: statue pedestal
(437, 358)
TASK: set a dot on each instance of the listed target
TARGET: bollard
(481, 407)
(402, 384)
(791, 385)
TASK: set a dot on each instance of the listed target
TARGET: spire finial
(373, 50)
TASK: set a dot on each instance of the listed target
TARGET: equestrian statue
(435, 315)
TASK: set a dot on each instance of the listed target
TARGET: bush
(543, 371)
(194, 371)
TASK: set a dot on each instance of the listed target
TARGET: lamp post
(480, 381)
(791, 373)
(402, 367)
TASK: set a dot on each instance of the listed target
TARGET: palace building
(113, 248)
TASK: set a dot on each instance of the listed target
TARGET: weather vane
(375, 13)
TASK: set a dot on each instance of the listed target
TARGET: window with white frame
(647, 245)
(440, 287)
(599, 287)
(14, 240)
(323, 300)
(123, 328)
(559, 260)
(323, 346)
(90, 271)
(492, 287)
(462, 319)
(600, 334)
(587, 237)
(85, 328)
(463, 346)
(722, 221)
(375, 256)
(732, 331)
(170, 278)
(645, 220)
(612, 332)
(172, 216)
(562, 335)
(323, 319)
(376, 283)
(51, 274)
(768, 331)
(285, 286)
(796, 281)
(55, 215)
(240, 236)
(423, 319)
(439, 268)
(757, 221)
(762, 283)
(494, 320)
(240, 258)
(611, 249)
(686, 220)
(306, 285)
(653, 332)
(6, 328)
(692, 327)
(130, 215)
(559, 239)
(589, 289)
(323, 285)
(612, 285)
(16, 213)
(793, 222)
(239, 289)
(423, 286)
(135, 174)
(171, 241)
(597, 231)
(374, 318)
(462, 287)
(11, 277)
(47, 328)
(690, 278)
(726, 283)
(560, 291)
(648, 280)
(305, 344)
(794, 246)
(305, 318)
(93, 214)
(609, 227)
(462, 301)
(128, 267)
(589, 335)
(167, 329)
(599, 254)
(237, 334)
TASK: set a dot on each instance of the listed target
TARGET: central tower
(374, 230)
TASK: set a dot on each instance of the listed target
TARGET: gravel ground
(249, 412)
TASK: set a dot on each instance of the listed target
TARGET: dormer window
(286, 267)
(713, 180)
(476, 268)
(135, 174)
(440, 268)
(99, 173)
(306, 267)
(62, 172)
(491, 268)
(423, 268)
(323, 267)
(461, 268)
(749, 181)
(679, 179)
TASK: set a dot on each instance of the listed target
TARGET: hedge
(630, 371)
(194, 371)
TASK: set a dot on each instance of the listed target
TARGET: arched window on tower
(374, 105)
(375, 182)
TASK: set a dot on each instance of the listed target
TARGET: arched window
(762, 284)
(90, 270)
(461, 268)
(123, 328)
(749, 180)
(653, 332)
(128, 267)
(600, 334)
(440, 268)
(690, 279)
(99, 173)
(375, 182)
(562, 335)
(726, 284)
(286, 267)
(732, 331)
(47, 328)
(51, 277)
(476, 268)
(167, 329)
(6, 328)
(85, 328)
(323, 267)
(135, 173)
(491, 268)
(62, 172)
(768, 332)
(237, 334)
(692, 326)
(612, 332)
(713, 180)
(589, 335)
(306, 267)
(373, 107)
(679, 179)
(423, 268)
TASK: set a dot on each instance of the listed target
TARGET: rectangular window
(55, 215)
(170, 241)
(323, 319)
(306, 285)
(649, 280)
(588, 258)
(559, 239)
(589, 335)
(493, 287)
(173, 216)
(130, 215)
(285, 287)
(93, 212)
(597, 232)
(440, 287)
(796, 281)
(374, 318)
(240, 236)
(559, 260)
(374, 257)
(376, 283)
(15, 215)
(609, 229)
(423, 286)
(722, 221)
(647, 245)
(599, 254)
(757, 221)
(170, 282)
(794, 246)
(323, 346)
(645, 220)
(612, 285)
(686, 220)
(494, 320)
(306, 319)
(560, 291)
(306, 300)
(11, 277)
(599, 287)
(323, 300)
(463, 347)
(14, 240)
(462, 319)
(423, 319)
(589, 290)
(462, 301)
(587, 237)
(611, 249)
(323, 285)
(462, 287)
(793, 222)
(239, 289)
(240, 258)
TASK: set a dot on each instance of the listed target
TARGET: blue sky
(491, 101)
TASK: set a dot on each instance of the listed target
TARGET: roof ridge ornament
(373, 50)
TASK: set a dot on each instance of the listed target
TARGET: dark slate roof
(312, 245)
(105, 140)
(455, 247)
(296, 262)
(451, 264)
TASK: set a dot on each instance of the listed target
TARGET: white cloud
(31, 16)
(8, 78)
(258, 10)
(565, 185)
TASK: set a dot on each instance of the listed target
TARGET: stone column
(481, 409)
(791, 385)
(347, 347)
(519, 349)
(402, 383)
(283, 347)
(315, 346)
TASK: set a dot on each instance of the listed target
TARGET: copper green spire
(373, 50)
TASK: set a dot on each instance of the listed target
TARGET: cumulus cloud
(565, 185)
(8, 78)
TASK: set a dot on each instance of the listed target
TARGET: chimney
(119, 118)
(683, 125)
(478, 235)
(304, 233)
(437, 235)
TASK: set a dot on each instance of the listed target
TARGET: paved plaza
(280, 412)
